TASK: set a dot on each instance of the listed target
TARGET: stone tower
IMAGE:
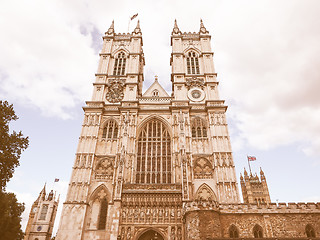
(253, 189)
(145, 162)
(42, 215)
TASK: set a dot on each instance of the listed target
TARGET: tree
(10, 217)
(11, 147)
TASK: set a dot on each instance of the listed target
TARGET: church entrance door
(151, 235)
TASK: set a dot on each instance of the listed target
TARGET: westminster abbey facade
(158, 166)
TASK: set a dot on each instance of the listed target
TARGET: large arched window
(310, 231)
(198, 128)
(192, 63)
(103, 214)
(233, 231)
(154, 154)
(119, 64)
(110, 130)
(257, 231)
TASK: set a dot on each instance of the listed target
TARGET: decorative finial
(202, 28)
(137, 29)
(156, 77)
(176, 29)
(111, 28)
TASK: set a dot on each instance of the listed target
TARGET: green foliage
(11, 145)
(10, 217)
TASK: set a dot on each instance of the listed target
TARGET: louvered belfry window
(198, 129)
(193, 63)
(119, 64)
(154, 154)
(110, 131)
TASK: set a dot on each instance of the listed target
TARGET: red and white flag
(251, 158)
(134, 16)
(56, 180)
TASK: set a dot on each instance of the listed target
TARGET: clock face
(34, 209)
(196, 94)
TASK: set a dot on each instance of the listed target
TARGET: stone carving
(115, 90)
(104, 169)
(205, 193)
(202, 169)
(193, 228)
(194, 82)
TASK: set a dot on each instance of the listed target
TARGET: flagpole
(249, 164)
(129, 24)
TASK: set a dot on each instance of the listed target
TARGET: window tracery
(192, 63)
(119, 64)
(198, 128)
(154, 154)
(110, 131)
(205, 193)
(257, 231)
(310, 231)
(233, 232)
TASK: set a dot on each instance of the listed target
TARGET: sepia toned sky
(266, 54)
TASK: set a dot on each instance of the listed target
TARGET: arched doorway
(151, 235)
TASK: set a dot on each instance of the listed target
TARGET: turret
(254, 190)
(42, 216)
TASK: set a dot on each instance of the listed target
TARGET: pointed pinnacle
(137, 29)
(176, 29)
(112, 25)
(202, 27)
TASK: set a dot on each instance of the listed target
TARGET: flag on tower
(251, 158)
(56, 180)
(134, 16)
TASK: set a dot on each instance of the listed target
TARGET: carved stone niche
(115, 90)
(202, 169)
(104, 169)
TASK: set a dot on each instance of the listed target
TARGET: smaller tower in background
(42, 215)
(254, 190)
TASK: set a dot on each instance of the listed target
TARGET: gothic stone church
(158, 166)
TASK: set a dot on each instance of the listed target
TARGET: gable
(155, 90)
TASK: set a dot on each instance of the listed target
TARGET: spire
(203, 28)
(137, 30)
(176, 29)
(111, 28)
(42, 194)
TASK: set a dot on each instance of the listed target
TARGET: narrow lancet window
(119, 64)
(103, 214)
(192, 63)
(198, 129)
(110, 131)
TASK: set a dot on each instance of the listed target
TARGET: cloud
(266, 54)
(45, 62)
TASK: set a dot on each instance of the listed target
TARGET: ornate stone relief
(115, 90)
(202, 169)
(194, 82)
(205, 193)
(104, 169)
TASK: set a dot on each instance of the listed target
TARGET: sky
(266, 54)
